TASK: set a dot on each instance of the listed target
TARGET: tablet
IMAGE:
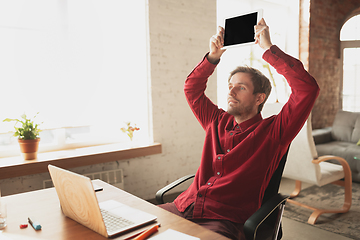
(239, 30)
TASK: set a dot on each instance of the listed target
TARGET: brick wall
(322, 55)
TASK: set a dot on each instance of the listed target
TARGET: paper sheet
(173, 235)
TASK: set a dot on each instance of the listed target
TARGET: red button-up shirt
(238, 160)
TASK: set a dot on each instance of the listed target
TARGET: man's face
(241, 100)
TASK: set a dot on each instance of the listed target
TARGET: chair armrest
(252, 225)
(322, 135)
(347, 173)
(160, 194)
(342, 161)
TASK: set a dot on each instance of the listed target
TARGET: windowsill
(16, 166)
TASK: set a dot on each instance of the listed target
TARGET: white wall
(179, 38)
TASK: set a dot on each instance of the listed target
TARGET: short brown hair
(260, 81)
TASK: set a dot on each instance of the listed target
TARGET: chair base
(317, 212)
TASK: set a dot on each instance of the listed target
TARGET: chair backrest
(274, 184)
(272, 225)
(273, 187)
(299, 165)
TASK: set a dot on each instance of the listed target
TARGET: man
(241, 150)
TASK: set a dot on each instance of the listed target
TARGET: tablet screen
(240, 30)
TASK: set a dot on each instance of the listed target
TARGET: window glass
(351, 29)
(351, 77)
(81, 64)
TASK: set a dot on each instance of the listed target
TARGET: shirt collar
(245, 125)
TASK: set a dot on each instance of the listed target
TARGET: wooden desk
(44, 207)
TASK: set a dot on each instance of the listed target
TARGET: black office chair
(265, 223)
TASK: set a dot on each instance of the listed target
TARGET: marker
(147, 233)
(137, 234)
(34, 224)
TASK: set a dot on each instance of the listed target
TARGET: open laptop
(78, 202)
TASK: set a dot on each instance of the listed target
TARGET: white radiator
(113, 177)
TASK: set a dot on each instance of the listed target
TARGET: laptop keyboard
(114, 223)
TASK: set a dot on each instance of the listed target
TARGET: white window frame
(344, 44)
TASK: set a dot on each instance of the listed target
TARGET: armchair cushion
(322, 135)
(356, 132)
(345, 150)
(346, 127)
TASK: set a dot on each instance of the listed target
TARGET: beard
(240, 110)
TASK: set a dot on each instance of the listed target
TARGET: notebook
(78, 202)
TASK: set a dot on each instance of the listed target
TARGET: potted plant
(28, 136)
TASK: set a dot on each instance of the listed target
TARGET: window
(284, 32)
(83, 65)
(350, 50)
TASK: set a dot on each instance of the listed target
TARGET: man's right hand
(216, 43)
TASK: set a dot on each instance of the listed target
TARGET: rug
(329, 196)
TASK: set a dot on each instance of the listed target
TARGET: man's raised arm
(304, 88)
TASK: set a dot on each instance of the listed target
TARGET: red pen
(138, 233)
(147, 233)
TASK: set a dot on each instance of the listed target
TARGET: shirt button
(231, 134)
(228, 150)
(218, 173)
(200, 195)
(219, 158)
(237, 127)
(209, 184)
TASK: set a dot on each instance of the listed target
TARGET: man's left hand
(262, 35)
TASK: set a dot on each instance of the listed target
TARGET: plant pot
(29, 148)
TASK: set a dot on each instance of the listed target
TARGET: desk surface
(44, 206)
